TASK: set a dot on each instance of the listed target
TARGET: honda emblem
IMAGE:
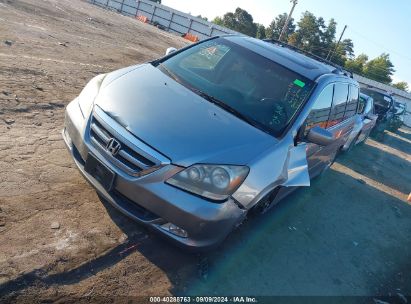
(113, 146)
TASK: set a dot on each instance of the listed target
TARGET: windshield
(381, 101)
(248, 85)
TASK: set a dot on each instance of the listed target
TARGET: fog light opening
(174, 229)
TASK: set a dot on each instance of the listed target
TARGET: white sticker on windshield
(387, 99)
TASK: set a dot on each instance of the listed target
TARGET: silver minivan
(190, 143)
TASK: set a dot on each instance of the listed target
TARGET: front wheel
(332, 161)
(265, 203)
(361, 143)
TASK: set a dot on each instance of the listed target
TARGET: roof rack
(338, 69)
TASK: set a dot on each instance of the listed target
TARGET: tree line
(315, 35)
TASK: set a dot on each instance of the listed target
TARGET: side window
(321, 109)
(352, 103)
(339, 103)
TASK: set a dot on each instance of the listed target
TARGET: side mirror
(170, 50)
(320, 136)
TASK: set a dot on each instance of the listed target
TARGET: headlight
(89, 93)
(215, 182)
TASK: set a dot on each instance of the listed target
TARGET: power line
(379, 45)
(359, 73)
(342, 52)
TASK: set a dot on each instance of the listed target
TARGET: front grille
(131, 156)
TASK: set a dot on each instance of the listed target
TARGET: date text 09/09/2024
(203, 299)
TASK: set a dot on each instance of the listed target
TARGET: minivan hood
(177, 122)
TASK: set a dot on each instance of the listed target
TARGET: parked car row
(389, 111)
(190, 143)
(368, 116)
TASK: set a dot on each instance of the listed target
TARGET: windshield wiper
(233, 111)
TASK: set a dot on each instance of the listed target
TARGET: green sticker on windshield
(299, 83)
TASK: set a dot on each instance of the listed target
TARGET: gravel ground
(347, 234)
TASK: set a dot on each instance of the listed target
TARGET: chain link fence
(165, 17)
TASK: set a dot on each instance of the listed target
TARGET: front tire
(364, 140)
(332, 161)
(266, 203)
(352, 144)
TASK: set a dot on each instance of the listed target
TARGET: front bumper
(148, 199)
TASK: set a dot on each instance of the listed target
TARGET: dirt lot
(348, 234)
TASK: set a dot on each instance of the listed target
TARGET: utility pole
(294, 2)
(338, 43)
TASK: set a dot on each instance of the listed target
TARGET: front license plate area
(100, 172)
